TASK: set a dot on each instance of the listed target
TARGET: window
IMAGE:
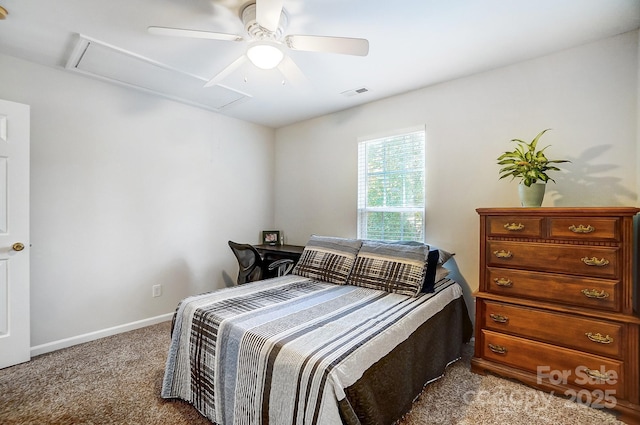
(391, 187)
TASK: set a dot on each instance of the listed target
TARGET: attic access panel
(109, 63)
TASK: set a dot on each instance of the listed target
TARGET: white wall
(637, 221)
(588, 95)
(127, 191)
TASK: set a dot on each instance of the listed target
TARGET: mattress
(299, 351)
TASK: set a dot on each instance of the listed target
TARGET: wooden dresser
(555, 305)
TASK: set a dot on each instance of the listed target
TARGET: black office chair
(251, 265)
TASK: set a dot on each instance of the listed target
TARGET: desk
(271, 253)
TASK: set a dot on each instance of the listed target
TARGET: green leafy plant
(526, 163)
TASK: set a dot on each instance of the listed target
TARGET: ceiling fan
(265, 22)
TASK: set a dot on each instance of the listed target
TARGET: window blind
(391, 187)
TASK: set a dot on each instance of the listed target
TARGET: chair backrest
(249, 262)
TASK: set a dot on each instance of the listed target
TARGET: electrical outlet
(156, 290)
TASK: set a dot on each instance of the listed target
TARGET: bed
(352, 337)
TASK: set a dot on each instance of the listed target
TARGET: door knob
(18, 246)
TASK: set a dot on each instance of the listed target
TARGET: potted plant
(531, 167)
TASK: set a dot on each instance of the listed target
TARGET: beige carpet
(117, 380)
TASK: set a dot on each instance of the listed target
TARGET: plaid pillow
(390, 267)
(327, 259)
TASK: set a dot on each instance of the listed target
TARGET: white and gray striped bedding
(284, 350)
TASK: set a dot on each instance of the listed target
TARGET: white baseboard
(91, 336)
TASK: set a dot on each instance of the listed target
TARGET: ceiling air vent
(103, 61)
(350, 93)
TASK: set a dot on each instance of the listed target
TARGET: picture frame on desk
(271, 237)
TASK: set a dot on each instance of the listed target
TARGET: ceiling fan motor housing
(257, 32)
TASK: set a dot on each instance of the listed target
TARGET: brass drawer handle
(503, 254)
(498, 349)
(593, 261)
(504, 282)
(582, 229)
(513, 227)
(594, 293)
(498, 318)
(597, 375)
(599, 338)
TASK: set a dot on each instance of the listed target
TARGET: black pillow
(430, 274)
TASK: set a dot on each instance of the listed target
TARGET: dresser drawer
(549, 361)
(584, 228)
(571, 290)
(584, 334)
(581, 260)
(529, 227)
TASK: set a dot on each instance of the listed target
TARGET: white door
(15, 339)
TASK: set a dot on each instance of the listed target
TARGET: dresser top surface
(562, 211)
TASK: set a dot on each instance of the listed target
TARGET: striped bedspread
(284, 350)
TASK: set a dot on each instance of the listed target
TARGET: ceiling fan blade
(178, 32)
(225, 72)
(317, 43)
(292, 73)
(268, 13)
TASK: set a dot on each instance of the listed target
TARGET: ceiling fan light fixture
(265, 56)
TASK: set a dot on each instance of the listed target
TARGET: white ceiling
(413, 44)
